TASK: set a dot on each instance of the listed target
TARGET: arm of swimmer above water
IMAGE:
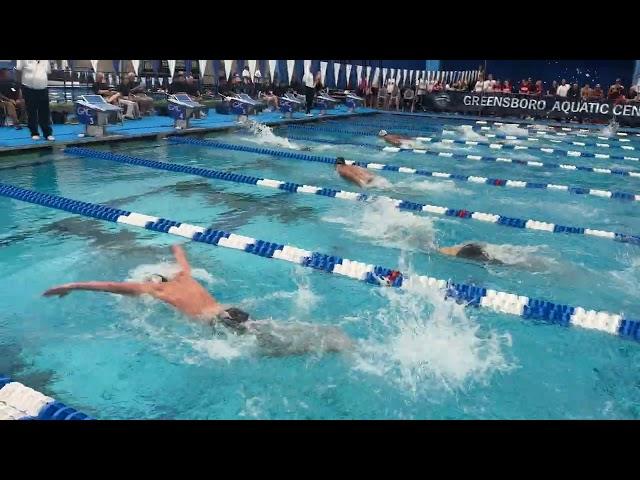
(122, 288)
(181, 258)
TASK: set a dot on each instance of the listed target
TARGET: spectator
(524, 86)
(11, 98)
(597, 92)
(574, 92)
(479, 84)
(100, 87)
(563, 88)
(633, 94)
(391, 84)
(553, 88)
(538, 89)
(437, 87)
(488, 84)
(506, 86)
(464, 86)
(585, 92)
(616, 90)
(408, 98)
(422, 91)
(137, 94)
(132, 111)
(309, 91)
(179, 85)
(193, 89)
(34, 79)
(245, 73)
(257, 76)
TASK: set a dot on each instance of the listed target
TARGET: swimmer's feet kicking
(353, 173)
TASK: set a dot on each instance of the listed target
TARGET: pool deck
(19, 141)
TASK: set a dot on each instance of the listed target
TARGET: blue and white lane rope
(515, 161)
(497, 301)
(18, 402)
(403, 128)
(402, 204)
(494, 182)
(494, 146)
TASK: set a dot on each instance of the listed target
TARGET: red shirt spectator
(616, 90)
(506, 87)
(524, 86)
(437, 87)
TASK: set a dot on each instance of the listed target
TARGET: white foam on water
(435, 186)
(263, 134)
(380, 182)
(425, 345)
(380, 221)
(467, 133)
(169, 270)
(513, 130)
(528, 256)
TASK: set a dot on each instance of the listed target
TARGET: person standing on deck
(34, 77)
(309, 90)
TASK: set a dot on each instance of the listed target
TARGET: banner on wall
(359, 73)
(525, 105)
(376, 76)
(252, 67)
(227, 68)
(348, 77)
(384, 75)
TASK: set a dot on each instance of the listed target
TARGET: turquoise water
(415, 356)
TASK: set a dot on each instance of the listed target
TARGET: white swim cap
(382, 133)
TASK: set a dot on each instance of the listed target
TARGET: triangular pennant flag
(336, 72)
(227, 68)
(398, 75)
(404, 76)
(359, 72)
(172, 67)
(323, 71)
(384, 75)
(290, 66)
(272, 69)
(94, 64)
(376, 76)
(348, 66)
(202, 64)
(369, 73)
(252, 67)
(136, 65)
(307, 66)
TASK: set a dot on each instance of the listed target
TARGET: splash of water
(519, 255)
(425, 345)
(169, 270)
(388, 226)
(513, 130)
(263, 134)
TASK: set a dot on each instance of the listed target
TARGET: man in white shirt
(34, 77)
(562, 90)
(309, 90)
(488, 84)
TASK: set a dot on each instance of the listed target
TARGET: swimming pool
(416, 355)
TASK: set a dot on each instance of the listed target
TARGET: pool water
(415, 355)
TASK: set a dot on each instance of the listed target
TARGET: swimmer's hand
(61, 291)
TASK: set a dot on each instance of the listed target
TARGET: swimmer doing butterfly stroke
(185, 294)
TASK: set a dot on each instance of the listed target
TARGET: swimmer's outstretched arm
(181, 258)
(122, 288)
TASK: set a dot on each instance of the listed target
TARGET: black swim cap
(340, 161)
(473, 251)
(236, 315)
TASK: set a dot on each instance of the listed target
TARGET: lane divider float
(470, 295)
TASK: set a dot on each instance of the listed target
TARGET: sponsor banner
(531, 106)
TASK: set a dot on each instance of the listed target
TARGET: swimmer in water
(396, 140)
(470, 251)
(185, 294)
(353, 173)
